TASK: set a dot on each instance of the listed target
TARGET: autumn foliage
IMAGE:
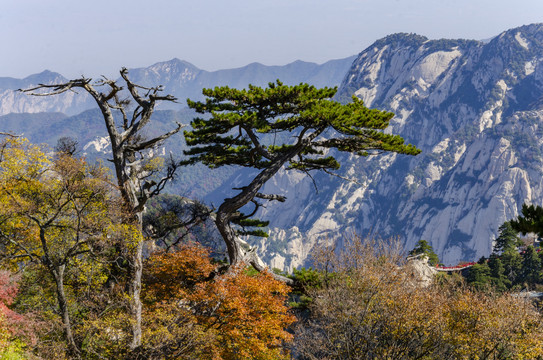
(8, 290)
(369, 308)
(16, 330)
(61, 230)
(61, 227)
(242, 315)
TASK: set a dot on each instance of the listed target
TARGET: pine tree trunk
(227, 209)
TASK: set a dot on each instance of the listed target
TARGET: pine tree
(422, 247)
(512, 263)
(507, 239)
(497, 274)
(531, 220)
(479, 276)
(266, 129)
(531, 266)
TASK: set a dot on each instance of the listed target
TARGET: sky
(98, 37)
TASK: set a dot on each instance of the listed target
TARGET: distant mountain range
(179, 78)
(474, 108)
(46, 119)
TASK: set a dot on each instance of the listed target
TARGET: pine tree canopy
(507, 240)
(423, 247)
(255, 127)
(268, 128)
(530, 221)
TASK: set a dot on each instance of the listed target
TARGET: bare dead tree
(67, 146)
(130, 150)
(7, 134)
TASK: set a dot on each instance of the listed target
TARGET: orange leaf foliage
(171, 275)
(246, 314)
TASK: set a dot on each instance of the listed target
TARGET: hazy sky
(94, 37)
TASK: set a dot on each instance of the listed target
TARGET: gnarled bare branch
(279, 198)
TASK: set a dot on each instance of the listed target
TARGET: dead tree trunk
(129, 151)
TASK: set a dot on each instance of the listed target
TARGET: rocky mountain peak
(400, 40)
(45, 77)
(474, 108)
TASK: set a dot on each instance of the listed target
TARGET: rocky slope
(476, 111)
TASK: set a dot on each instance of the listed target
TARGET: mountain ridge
(178, 77)
(473, 108)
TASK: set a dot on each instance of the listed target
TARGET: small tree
(531, 267)
(241, 315)
(512, 263)
(497, 273)
(422, 247)
(264, 129)
(507, 239)
(54, 213)
(479, 276)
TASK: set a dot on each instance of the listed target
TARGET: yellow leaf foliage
(369, 307)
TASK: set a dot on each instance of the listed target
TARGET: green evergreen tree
(479, 276)
(422, 247)
(531, 220)
(267, 128)
(497, 274)
(512, 263)
(508, 239)
(531, 267)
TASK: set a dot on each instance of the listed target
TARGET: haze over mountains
(474, 108)
(179, 78)
(46, 119)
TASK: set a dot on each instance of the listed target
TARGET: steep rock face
(419, 272)
(476, 111)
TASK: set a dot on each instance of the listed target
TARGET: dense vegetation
(60, 231)
(514, 264)
(59, 216)
(366, 306)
